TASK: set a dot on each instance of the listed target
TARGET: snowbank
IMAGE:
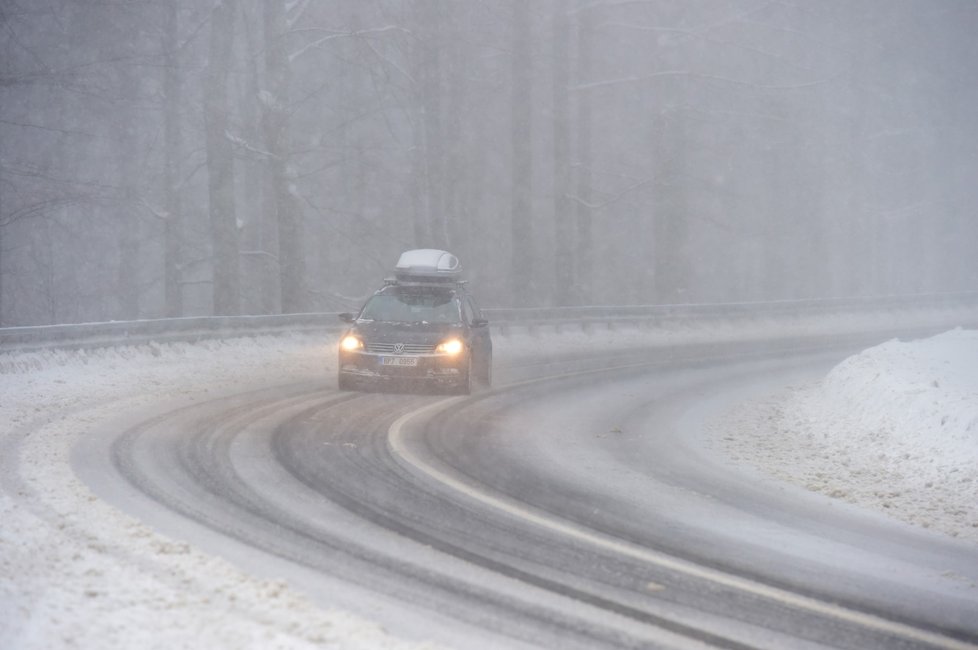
(894, 428)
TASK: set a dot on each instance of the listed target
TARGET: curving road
(578, 504)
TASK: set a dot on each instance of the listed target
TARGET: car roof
(453, 289)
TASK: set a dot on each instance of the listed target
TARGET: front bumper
(441, 368)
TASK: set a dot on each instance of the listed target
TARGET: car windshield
(412, 307)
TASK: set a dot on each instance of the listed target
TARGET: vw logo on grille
(398, 348)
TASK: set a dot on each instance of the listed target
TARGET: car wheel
(464, 385)
(487, 372)
(344, 382)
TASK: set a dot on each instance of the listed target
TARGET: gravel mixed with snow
(894, 428)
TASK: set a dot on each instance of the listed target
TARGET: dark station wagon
(423, 326)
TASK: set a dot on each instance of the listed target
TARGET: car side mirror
(347, 317)
(480, 322)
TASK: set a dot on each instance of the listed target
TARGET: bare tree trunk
(3, 223)
(522, 283)
(220, 163)
(671, 226)
(455, 225)
(419, 197)
(127, 273)
(278, 79)
(420, 163)
(172, 225)
(127, 219)
(260, 267)
(3, 215)
(563, 218)
(584, 264)
(431, 68)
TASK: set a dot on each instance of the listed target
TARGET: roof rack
(425, 282)
(428, 266)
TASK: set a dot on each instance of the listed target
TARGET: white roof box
(428, 265)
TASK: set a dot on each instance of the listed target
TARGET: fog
(194, 158)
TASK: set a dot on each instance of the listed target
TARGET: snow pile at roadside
(75, 572)
(894, 428)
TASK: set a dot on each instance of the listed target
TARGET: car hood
(378, 331)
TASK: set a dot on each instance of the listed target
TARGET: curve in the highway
(572, 506)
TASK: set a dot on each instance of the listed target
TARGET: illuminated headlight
(351, 343)
(452, 346)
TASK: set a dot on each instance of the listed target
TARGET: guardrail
(656, 315)
(93, 335)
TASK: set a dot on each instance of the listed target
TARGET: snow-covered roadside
(75, 572)
(894, 428)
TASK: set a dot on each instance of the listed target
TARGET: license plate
(399, 361)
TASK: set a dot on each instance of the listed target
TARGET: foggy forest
(177, 158)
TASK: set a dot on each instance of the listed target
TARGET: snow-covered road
(75, 572)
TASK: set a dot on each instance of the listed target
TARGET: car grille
(409, 348)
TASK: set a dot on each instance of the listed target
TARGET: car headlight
(351, 343)
(451, 346)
